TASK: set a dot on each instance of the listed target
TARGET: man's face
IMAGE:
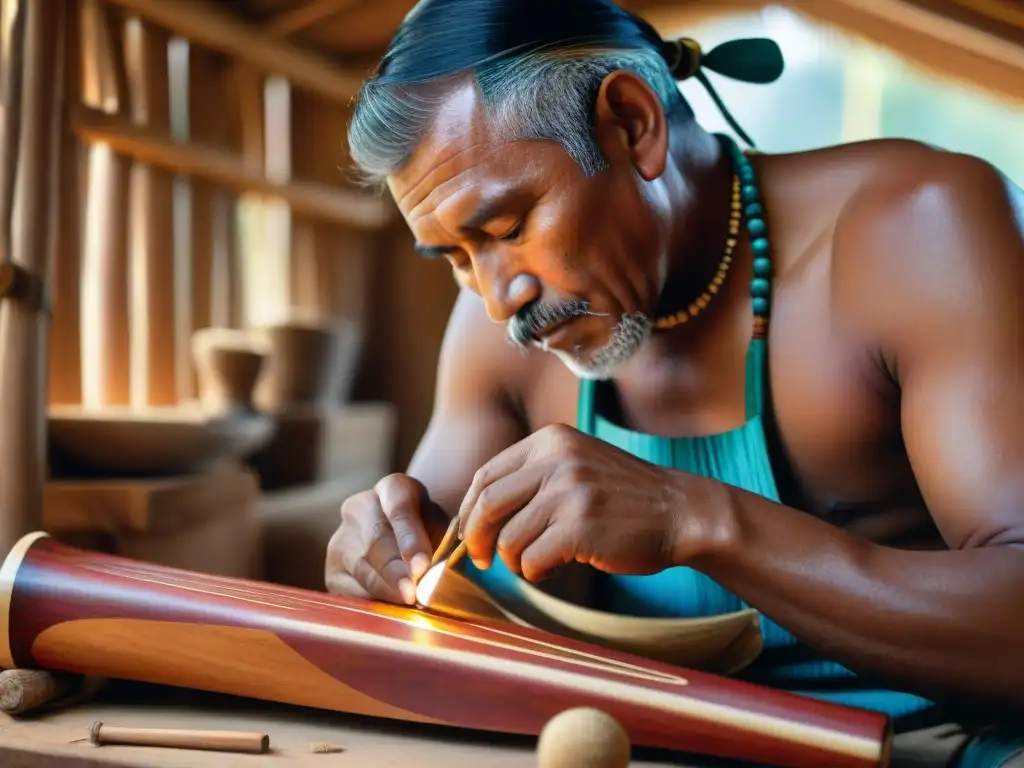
(569, 263)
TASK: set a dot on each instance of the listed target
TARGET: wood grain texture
(77, 611)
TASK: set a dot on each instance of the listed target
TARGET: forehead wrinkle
(442, 188)
(433, 207)
(437, 169)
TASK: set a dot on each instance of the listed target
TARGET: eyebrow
(488, 209)
(433, 251)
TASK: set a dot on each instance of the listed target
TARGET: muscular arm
(947, 304)
(473, 417)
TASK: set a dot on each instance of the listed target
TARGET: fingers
(364, 557)
(552, 549)
(525, 527)
(505, 463)
(343, 584)
(386, 584)
(495, 504)
(402, 499)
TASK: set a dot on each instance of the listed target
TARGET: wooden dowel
(173, 738)
(226, 168)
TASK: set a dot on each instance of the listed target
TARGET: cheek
(464, 278)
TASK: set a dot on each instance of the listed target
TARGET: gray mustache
(532, 320)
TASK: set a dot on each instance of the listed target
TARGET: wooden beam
(28, 228)
(937, 43)
(946, 30)
(1001, 10)
(205, 24)
(225, 168)
(295, 19)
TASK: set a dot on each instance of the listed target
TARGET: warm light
(427, 584)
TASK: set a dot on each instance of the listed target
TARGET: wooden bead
(583, 738)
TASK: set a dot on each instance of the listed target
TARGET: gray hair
(547, 95)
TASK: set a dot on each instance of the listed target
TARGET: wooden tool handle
(220, 741)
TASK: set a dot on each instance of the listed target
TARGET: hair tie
(687, 57)
(750, 60)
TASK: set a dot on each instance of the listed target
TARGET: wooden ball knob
(583, 738)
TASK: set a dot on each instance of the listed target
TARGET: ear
(629, 118)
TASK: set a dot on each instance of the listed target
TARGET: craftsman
(796, 382)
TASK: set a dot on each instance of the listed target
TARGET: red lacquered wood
(66, 609)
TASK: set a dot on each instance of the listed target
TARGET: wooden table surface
(61, 739)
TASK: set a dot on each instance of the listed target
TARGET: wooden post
(105, 319)
(65, 327)
(244, 95)
(331, 262)
(29, 228)
(154, 287)
(212, 206)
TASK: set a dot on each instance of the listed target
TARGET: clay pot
(310, 364)
(228, 365)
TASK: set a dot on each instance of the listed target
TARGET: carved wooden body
(66, 609)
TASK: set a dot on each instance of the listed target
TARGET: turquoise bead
(760, 287)
(761, 247)
(756, 227)
(760, 306)
(762, 267)
(753, 210)
(749, 193)
(747, 174)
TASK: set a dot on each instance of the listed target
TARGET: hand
(561, 496)
(383, 546)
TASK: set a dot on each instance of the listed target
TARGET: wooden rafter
(205, 24)
(303, 16)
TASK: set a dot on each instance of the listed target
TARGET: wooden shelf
(221, 166)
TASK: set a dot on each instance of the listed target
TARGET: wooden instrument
(65, 609)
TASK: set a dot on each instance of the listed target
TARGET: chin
(627, 338)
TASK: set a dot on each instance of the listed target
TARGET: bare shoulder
(909, 187)
(924, 230)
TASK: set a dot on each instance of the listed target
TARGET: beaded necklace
(745, 207)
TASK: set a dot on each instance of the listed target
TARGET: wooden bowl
(228, 365)
(722, 644)
(310, 364)
(154, 441)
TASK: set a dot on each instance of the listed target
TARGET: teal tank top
(741, 458)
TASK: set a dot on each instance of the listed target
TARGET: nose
(504, 295)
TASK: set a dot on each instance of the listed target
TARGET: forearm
(946, 622)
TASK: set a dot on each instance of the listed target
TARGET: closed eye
(513, 233)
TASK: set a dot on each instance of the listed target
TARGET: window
(838, 87)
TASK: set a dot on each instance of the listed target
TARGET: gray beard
(627, 338)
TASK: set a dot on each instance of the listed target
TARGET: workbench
(61, 739)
